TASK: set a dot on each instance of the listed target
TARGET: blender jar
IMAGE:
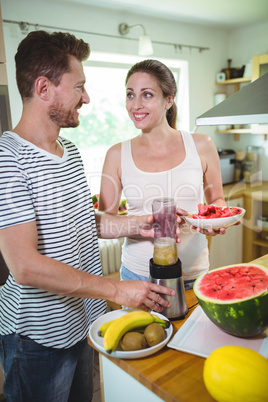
(165, 249)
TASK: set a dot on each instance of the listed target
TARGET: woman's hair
(165, 80)
(45, 54)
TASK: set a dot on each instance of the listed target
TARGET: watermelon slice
(235, 298)
(212, 212)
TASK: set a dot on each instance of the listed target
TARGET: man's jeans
(35, 373)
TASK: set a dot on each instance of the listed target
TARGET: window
(104, 121)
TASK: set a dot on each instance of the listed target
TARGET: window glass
(103, 122)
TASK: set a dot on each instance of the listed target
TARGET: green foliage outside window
(101, 126)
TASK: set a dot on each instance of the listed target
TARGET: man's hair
(45, 54)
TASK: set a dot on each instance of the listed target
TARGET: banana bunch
(103, 328)
(112, 331)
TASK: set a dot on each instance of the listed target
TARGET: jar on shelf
(248, 171)
(238, 170)
(239, 158)
(251, 170)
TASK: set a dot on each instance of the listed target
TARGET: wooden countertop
(170, 374)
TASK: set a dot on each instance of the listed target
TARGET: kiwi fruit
(154, 334)
(133, 341)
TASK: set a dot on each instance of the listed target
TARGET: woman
(160, 161)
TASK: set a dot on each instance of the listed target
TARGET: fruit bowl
(97, 340)
(122, 209)
(214, 223)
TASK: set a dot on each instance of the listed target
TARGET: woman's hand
(180, 214)
(147, 222)
(210, 231)
(180, 221)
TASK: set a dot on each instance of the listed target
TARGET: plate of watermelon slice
(210, 216)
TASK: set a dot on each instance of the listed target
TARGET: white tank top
(184, 183)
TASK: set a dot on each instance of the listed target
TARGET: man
(48, 234)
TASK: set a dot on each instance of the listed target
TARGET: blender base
(170, 276)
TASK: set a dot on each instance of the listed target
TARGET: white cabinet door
(227, 249)
(119, 386)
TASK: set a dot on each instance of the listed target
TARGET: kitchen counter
(168, 375)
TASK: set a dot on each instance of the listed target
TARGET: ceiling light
(145, 43)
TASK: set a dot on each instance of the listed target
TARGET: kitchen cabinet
(259, 66)
(227, 249)
(255, 202)
(256, 231)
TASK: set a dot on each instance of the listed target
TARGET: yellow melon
(236, 374)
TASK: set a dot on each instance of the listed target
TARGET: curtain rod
(24, 26)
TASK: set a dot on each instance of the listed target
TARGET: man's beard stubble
(62, 117)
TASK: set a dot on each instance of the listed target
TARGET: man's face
(69, 96)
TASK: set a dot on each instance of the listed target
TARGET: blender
(165, 266)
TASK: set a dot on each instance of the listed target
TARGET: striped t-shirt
(53, 191)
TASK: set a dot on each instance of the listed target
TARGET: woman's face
(145, 102)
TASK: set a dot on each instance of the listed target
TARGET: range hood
(249, 105)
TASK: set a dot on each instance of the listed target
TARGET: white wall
(202, 66)
(239, 45)
(248, 42)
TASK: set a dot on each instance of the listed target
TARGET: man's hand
(142, 295)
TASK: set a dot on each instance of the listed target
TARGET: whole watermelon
(235, 298)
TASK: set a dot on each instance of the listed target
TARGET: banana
(125, 323)
(163, 323)
(103, 328)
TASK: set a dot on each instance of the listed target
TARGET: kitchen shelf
(259, 130)
(257, 63)
(260, 229)
(261, 243)
(255, 235)
(234, 81)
